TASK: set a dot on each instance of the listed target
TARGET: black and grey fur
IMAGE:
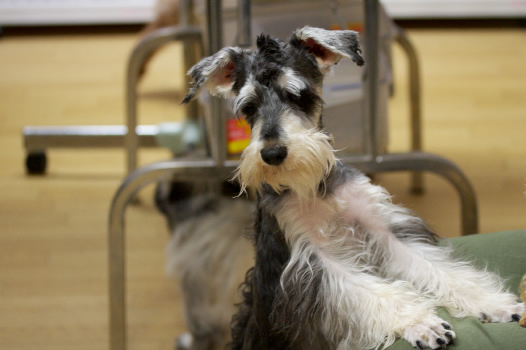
(208, 255)
(338, 265)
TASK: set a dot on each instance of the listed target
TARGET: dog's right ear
(215, 72)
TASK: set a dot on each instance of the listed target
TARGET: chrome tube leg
(215, 40)
(468, 201)
(421, 161)
(189, 36)
(191, 56)
(192, 52)
(417, 183)
(372, 76)
(117, 283)
(116, 235)
(132, 75)
(186, 13)
(117, 259)
(244, 33)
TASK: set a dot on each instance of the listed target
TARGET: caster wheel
(36, 163)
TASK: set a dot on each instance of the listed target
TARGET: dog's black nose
(274, 155)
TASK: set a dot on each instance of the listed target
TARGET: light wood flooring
(53, 249)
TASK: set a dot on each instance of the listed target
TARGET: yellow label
(237, 135)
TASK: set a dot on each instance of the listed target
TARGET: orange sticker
(237, 135)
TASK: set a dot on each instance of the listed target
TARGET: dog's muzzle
(274, 155)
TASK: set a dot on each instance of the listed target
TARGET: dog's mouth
(298, 166)
(292, 175)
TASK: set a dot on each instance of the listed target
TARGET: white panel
(455, 8)
(41, 12)
(38, 12)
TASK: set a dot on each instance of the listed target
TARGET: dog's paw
(431, 332)
(510, 313)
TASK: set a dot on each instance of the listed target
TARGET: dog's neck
(326, 187)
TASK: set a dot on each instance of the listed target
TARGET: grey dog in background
(207, 256)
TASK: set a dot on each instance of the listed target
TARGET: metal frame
(218, 166)
(192, 40)
(131, 135)
(208, 168)
(415, 106)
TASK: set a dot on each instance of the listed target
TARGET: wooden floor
(53, 249)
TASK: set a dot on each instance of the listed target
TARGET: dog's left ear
(215, 72)
(329, 46)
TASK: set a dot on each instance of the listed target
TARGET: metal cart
(217, 165)
(129, 136)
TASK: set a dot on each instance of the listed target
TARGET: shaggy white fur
(377, 287)
(311, 158)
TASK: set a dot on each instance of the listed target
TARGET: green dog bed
(505, 254)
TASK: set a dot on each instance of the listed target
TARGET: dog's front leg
(351, 306)
(409, 251)
(378, 311)
(252, 327)
(457, 286)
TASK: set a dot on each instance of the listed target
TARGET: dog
(207, 255)
(337, 264)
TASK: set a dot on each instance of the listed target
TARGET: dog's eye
(249, 110)
(293, 97)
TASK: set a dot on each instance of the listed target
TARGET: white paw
(431, 332)
(508, 313)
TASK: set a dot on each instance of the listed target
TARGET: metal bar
(215, 32)
(187, 170)
(417, 183)
(186, 13)
(41, 138)
(117, 279)
(191, 53)
(44, 137)
(244, 33)
(372, 75)
(422, 161)
(141, 52)
(215, 40)
(141, 177)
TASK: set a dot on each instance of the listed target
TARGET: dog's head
(277, 88)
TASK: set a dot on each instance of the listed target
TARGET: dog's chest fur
(339, 221)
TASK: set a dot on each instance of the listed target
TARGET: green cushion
(505, 254)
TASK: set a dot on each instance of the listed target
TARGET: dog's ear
(329, 46)
(215, 72)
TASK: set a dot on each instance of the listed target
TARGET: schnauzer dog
(337, 264)
(207, 255)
